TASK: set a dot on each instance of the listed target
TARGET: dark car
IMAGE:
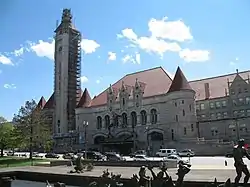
(113, 156)
(52, 155)
(93, 155)
(229, 155)
(68, 156)
(139, 152)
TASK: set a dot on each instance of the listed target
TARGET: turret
(182, 97)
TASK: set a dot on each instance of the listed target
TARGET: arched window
(133, 119)
(99, 122)
(124, 120)
(183, 112)
(153, 116)
(107, 121)
(143, 117)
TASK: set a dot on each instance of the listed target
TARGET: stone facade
(176, 115)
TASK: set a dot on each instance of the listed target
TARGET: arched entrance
(99, 139)
(155, 140)
(122, 143)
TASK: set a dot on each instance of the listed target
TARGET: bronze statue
(159, 179)
(183, 169)
(79, 165)
(143, 179)
(239, 152)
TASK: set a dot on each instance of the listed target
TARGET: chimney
(207, 91)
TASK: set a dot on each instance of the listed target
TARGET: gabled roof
(41, 103)
(217, 85)
(85, 99)
(179, 82)
(50, 102)
(155, 82)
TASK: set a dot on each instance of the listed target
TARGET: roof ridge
(143, 70)
(219, 76)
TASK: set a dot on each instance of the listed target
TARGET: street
(217, 162)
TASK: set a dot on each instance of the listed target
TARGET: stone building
(143, 110)
(149, 110)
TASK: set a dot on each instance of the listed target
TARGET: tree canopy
(6, 134)
(32, 126)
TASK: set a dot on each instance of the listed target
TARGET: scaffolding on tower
(74, 75)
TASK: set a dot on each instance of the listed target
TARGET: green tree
(31, 125)
(6, 136)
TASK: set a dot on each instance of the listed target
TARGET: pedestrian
(239, 152)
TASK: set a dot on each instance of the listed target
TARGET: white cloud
(194, 55)
(149, 44)
(136, 59)
(164, 36)
(98, 81)
(84, 79)
(111, 56)
(44, 49)
(89, 46)
(1, 71)
(5, 60)
(171, 30)
(19, 52)
(9, 86)
(236, 59)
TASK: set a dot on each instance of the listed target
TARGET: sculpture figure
(239, 152)
(143, 179)
(183, 169)
(159, 179)
(79, 165)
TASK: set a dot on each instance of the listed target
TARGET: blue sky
(205, 38)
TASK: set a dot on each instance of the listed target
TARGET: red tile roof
(218, 86)
(155, 82)
(179, 82)
(85, 99)
(41, 103)
(50, 102)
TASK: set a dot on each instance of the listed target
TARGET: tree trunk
(31, 142)
(2, 150)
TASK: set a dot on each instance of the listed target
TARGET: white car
(166, 152)
(174, 158)
(140, 158)
(186, 152)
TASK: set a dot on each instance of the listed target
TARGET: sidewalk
(212, 167)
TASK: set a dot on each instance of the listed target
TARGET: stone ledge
(170, 164)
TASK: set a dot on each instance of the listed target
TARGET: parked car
(174, 158)
(186, 152)
(141, 158)
(52, 155)
(113, 156)
(93, 155)
(166, 152)
(68, 156)
(139, 152)
(37, 155)
(229, 155)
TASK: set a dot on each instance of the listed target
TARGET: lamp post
(147, 141)
(85, 125)
(71, 142)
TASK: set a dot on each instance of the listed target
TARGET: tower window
(123, 101)
(60, 49)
